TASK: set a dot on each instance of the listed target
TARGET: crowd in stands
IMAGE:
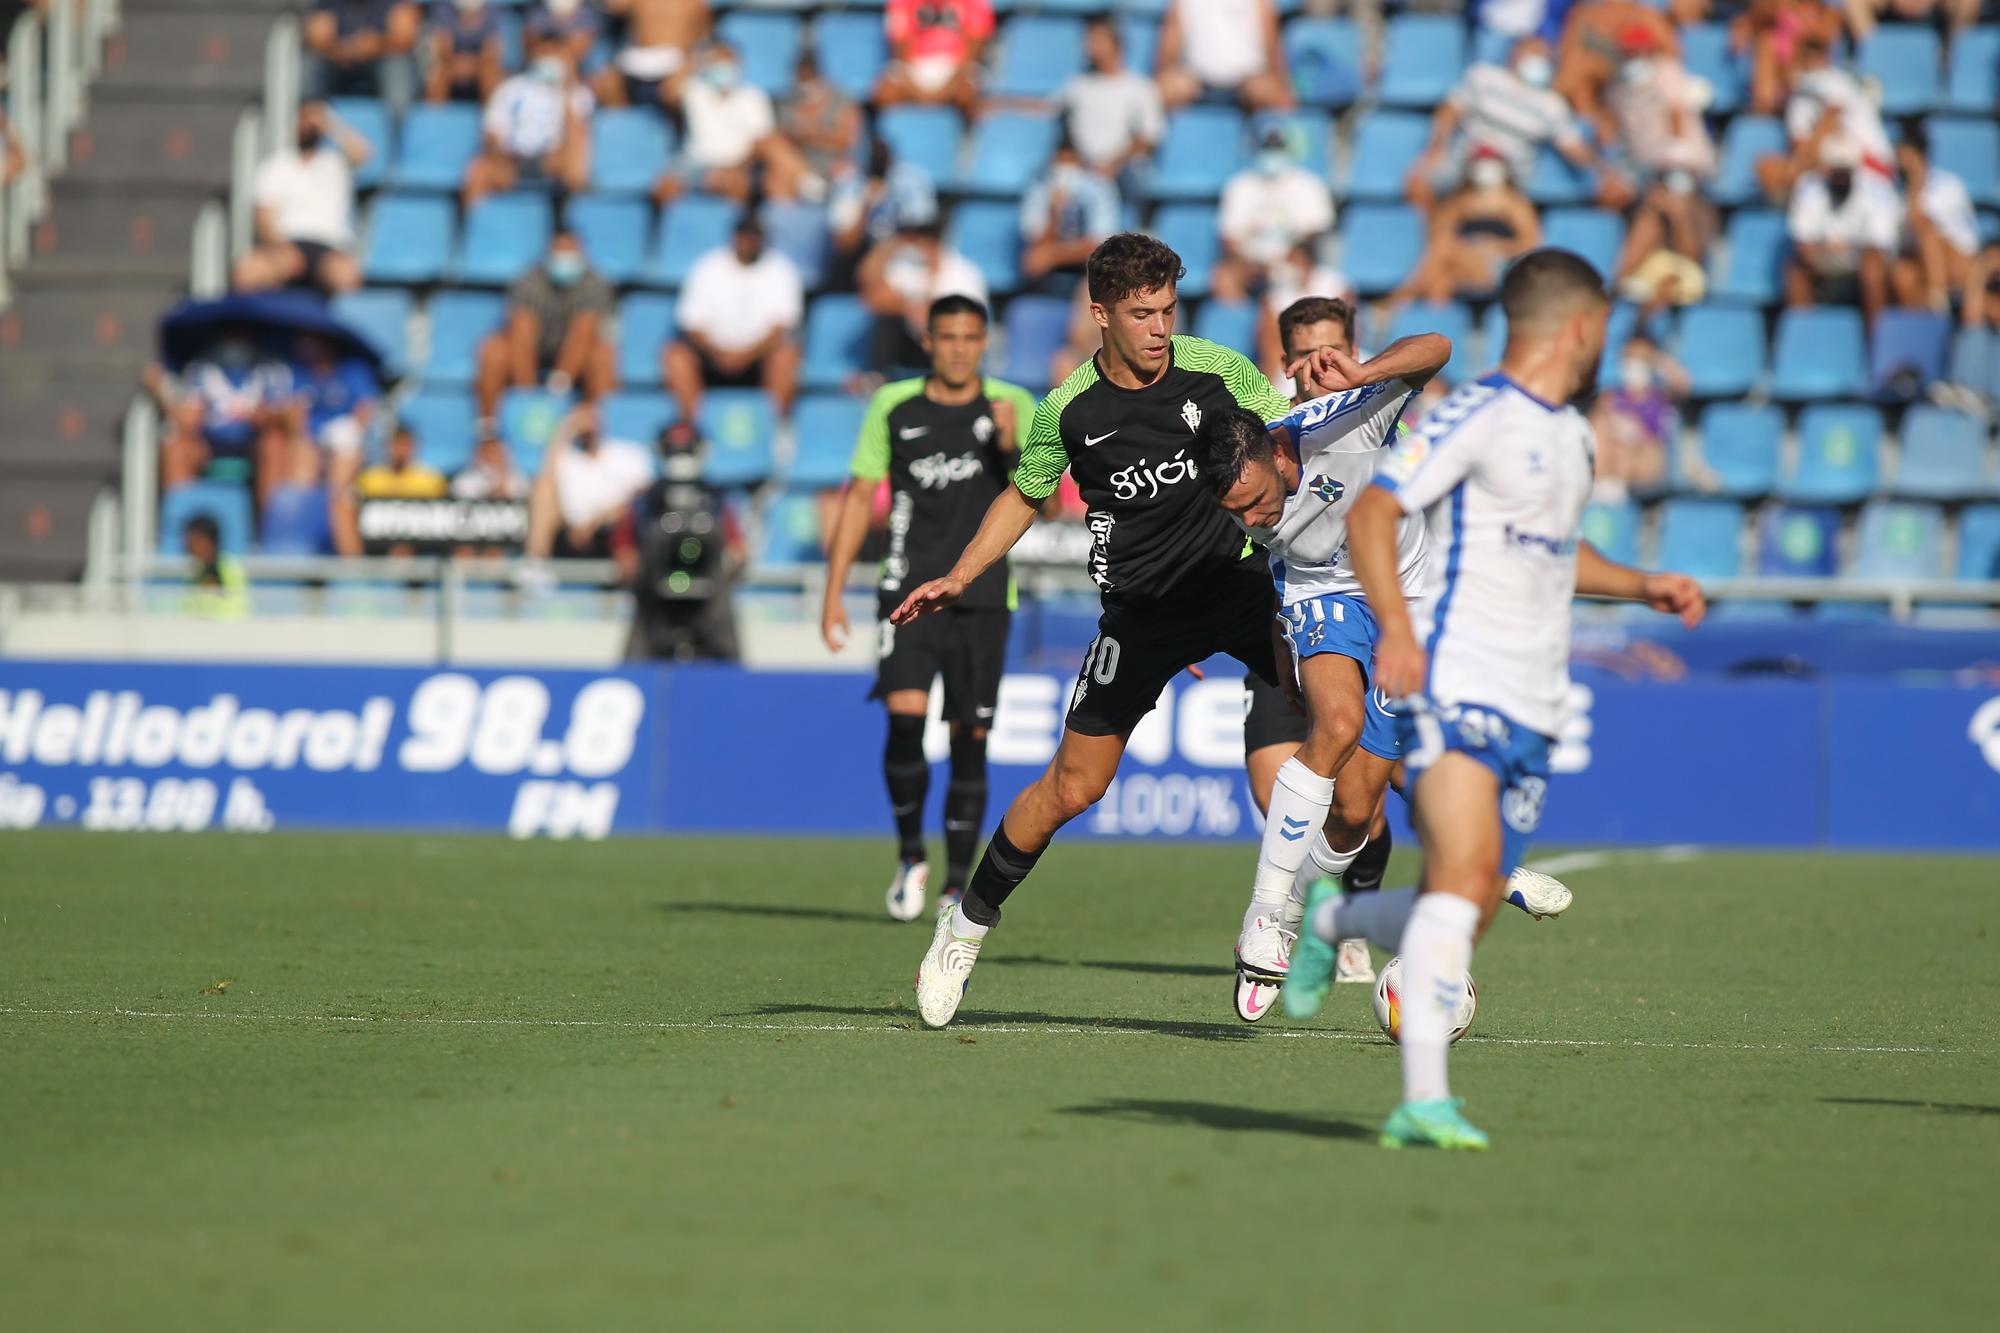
(583, 222)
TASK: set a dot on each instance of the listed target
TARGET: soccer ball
(1388, 1004)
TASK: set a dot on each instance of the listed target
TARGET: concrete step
(67, 423)
(94, 326)
(165, 143)
(202, 51)
(44, 527)
(94, 235)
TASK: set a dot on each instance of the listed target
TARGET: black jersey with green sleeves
(944, 465)
(1153, 527)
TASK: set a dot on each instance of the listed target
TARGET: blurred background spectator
(1781, 38)
(1505, 111)
(899, 279)
(935, 47)
(491, 475)
(1942, 227)
(869, 206)
(732, 132)
(463, 49)
(1664, 257)
(739, 319)
(536, 128)
(823, 123)
(1599, 38)
(360, 48)
(585, 489)
(1474, 232)
(1269, 209)
(1224, 46)
(215, 581)
(1112, 113)
(661, 37)
(1845, 223)
(1636, 420)
(334, 405)
(401, 475)
(555, 331)
(580, 29)
(304, 218)
(1063, 217)
(229, 403)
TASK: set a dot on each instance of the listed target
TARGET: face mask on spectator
(1535, 70)
(1273, 161)
(550, 69)
(722, 75)
(565, 267)
(235, 353)
(1839, 184)
(1635, 375)
(562, 9)
(309, 138)
(1488, 173)
(1639, 72)
(1680, 182)
(473, 6)
(1066, 177)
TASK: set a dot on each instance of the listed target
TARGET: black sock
(1000, 872)
(909, 777)
(964, 807)
(1365, 875)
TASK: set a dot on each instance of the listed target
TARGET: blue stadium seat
(629, 148)
(1817, 353)
(1979, 543)
(504, 235)
(1757, 243)
(768, 45)
(852, 48)
(690, 227)
(1975, 361)
(1190, 230)
(1613, 528)
(836, 340)
(438, 140)
(797, 230)
(1139, 34)
(1380, 244)
(1425, 56)
(228, 503)
(383, 317)
(1555, 181)
(737, 425)
(614, 234)
(1739, 442)
(645, 323)
(1722, 348)
(1899, 540)
(1702, 538)
(1971, 149)
(296, 522)
(638, 415)
(1795, 543)
(1905, 58)
(1840, 450)
(988, 232)
(1705, 51)
(1385, 145)
(1490, 47)
(1036, 327)
(1231, 323)
(1972, 83)
(1309, 134)
(1451, 318)
(1594, 233)
(1009, 150)
(409, 238)
(460, 321)
(1944, 455)
(368, 118)
(528, 418)
(1324, 56)
(826, 426)
(442, 420)
(791, 532)
(1203, 148)
(1038, 52)
(925, 135)
(1906, 352)
(1747, 139)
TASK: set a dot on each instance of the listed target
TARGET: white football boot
(1263, 953)
(1537, 894)
(1352, 963)
(906, 892)
(946, 970)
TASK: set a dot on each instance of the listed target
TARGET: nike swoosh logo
(1090, 440)
(1250, 1005)
(913, 432)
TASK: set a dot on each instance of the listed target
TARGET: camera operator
(679, 551)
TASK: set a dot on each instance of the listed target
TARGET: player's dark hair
(1548, 282)
(1315, 310)
(955, 304)
(1229, 438)
(1131, 262)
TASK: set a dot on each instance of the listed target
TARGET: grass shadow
(1947, 1108)
(971, 1021)
(1217, 1115)
(785, 910)
(1113, 965)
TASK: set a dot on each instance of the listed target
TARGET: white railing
(246, 150)
(47, 102)
(281, 85)
(26, 196)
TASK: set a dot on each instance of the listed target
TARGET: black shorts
(1138, 649)
(965, 645)
(1269, 718)
(714, 377)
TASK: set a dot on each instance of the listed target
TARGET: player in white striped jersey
(1503, 470)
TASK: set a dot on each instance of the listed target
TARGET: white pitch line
(1572, 862)
(1025, 1029)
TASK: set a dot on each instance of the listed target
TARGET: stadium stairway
(109, 257)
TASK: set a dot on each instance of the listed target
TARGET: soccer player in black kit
(946, 441)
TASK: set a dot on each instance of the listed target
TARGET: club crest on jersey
(982, 430)
(1191, 414)
(1327, 489)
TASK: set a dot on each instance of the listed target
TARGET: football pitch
(307, 1083)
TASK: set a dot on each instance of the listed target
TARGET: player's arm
(1371, 548)
(1597, 575)
(850, 523)
(1415, 359)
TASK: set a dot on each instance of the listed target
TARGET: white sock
(1323, 860)
(1299, 801)
(965, 927)
(1379, 917)
(1437, 945)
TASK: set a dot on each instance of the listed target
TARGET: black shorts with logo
(965, 645)
(1141, 646)
(1269, 718)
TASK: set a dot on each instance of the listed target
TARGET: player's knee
(1076, 791)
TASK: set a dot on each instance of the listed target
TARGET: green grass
(1704, 1142)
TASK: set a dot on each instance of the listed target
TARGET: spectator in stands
(360, 48)
(462, 51)
(298, 517)
(1322, 294)
(536, 128)
(1227, 46)
(305, 210)
(1113, 113)
(898, 281)
(1975, 359)
(554, 333)
(732, 131)
(491, 475)
(661, 37)
(1663, 260)
(585, 489)
(1637, 419)
(1942, 231)
(1781, 37)
(1508, 111)
(1845, 223)
(579, 27)
(401, 475)
(1080, 340)
(1597, 40)
(217, 585)
(1825, 99)
(821, 121)
(1654, 111)
(229, 403)
(867, 207)
(739, 315)
(1269, 209)
(1066, 212)
(934, 47)
(1474, 234)
(334, 401)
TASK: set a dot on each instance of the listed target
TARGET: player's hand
(1328, 370)
(933, 596)
(1400, 666)
(1008, 424)
(1677, 595)
(833, 624)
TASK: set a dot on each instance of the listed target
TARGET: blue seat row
(1944, 453)
(1893, 540)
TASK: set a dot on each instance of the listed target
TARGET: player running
(1503, 470)
(946, 441)
(1178, 582)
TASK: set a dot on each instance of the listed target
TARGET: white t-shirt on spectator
(736, 305)
(1646, 114)
(1222, 41)
(1835, 89)
(1500, 110)
(1107, 112)
(310, 195)
(915, 282)
(722, 127)
(588, 484)
(1948, 204)
(1264, 217)
(526, 114)
(1870, 219)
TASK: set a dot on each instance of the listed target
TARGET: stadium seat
(226, 502)
(638, 415)
(1747, 139)
(690, 227)
(1817, 353)
(1324, 56)
(1490, 46)
(1906, 352)
(1944, 455)
(1975, 361)
(382, 315)
(1555, 181)
(614, 233)
(1722, 348)
(437, 142)
(852, 48)
(629, 148)
(736, 423)
(1979, 543)
(836, 340)
(1594, 233)
(460, 321)
(767, 44)
(1203, 148)
(1385, 145)
(296, 522)
(1139, 34)
(645, 323)
(1613, 528)
(528, 418)
(798, 231)
(1705, 51)
(1972, 83)
(1036, 327)
(1190, 230)
(988, 232)
(1739, 442)
(1971, 149)
(925, 135)
(1010, 149)
(1795, 543)
(1231, 323)
(1423, 60)
(1904, 57)
(368, 118)
(409, 238)
(827, 425)
(791, 532)
(1309, 134)
(442, 420)
(504, 235)
(1038, 53)
(1380, 244)
(1755, 244)
(1702, 538)
(1899, 540)
(1451, 318)
(1840, 449)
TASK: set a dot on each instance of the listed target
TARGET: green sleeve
(1251, 388)
(871, 447)
(1043, 458)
